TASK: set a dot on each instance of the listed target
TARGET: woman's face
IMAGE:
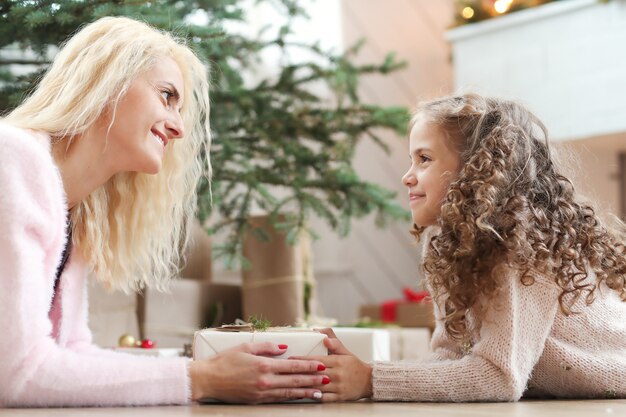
(147, 119)
(433, 166)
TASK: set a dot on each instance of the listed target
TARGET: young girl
(98, 169)
(529, 287)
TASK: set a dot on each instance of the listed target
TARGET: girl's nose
(409, 179)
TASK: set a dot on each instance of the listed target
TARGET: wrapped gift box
(279, 286)
(370, 311)
(415, 310)
(172, 318)
(384, 344)
(415, 315)
(160, 353)
(221, 304)
(110, 314)
(198, 265)
(407, 314)
(367, 344)
(209, 342)
(409, 343)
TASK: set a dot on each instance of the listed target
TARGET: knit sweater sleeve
(442, 346)
(511, 340)
(34, 369)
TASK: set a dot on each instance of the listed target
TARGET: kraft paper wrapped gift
(416, 315)
(279, 286)
(370, 311)
(300, 342)
(221, 304)
(407, 314)
(172, 318)
(198, 265)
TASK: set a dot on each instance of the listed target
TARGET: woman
(98, 169)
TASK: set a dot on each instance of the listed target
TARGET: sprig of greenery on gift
(284, 143)
(259, 324)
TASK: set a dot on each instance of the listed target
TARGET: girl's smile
(414, 197)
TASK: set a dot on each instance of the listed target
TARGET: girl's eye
(423, 159)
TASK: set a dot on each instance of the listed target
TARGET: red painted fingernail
(282, 346)
(320, 367)
(325, 380)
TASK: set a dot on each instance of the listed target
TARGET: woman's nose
(174, 127)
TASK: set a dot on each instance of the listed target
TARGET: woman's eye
(167, 95)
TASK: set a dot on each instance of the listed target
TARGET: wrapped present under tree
(278, 285)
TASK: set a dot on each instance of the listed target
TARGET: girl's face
(434, 164)
(147, 119)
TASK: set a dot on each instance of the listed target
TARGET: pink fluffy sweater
(46, 354)
(523, 345)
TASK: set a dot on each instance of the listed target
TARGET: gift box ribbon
(389, 308)
(264, 282)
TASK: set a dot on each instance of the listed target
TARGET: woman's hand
(248, 374)
(350, 377)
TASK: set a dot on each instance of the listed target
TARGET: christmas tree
(278, 143)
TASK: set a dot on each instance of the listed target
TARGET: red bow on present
(388, 308)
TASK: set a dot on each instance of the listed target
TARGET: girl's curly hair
(509, 206)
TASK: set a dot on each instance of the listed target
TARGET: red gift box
(389, 309)
(414, 310)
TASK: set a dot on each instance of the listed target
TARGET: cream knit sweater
(524, 345)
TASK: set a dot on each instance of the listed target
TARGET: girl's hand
(248, 374)
(350, 377)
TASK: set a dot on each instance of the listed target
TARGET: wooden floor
(587, 408)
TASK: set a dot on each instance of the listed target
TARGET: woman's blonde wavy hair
(510, 207)
(131, 230)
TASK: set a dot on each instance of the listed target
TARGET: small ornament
(147, 344)
(466, 347)
(126, 340)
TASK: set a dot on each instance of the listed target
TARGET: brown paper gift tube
(274, 286)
